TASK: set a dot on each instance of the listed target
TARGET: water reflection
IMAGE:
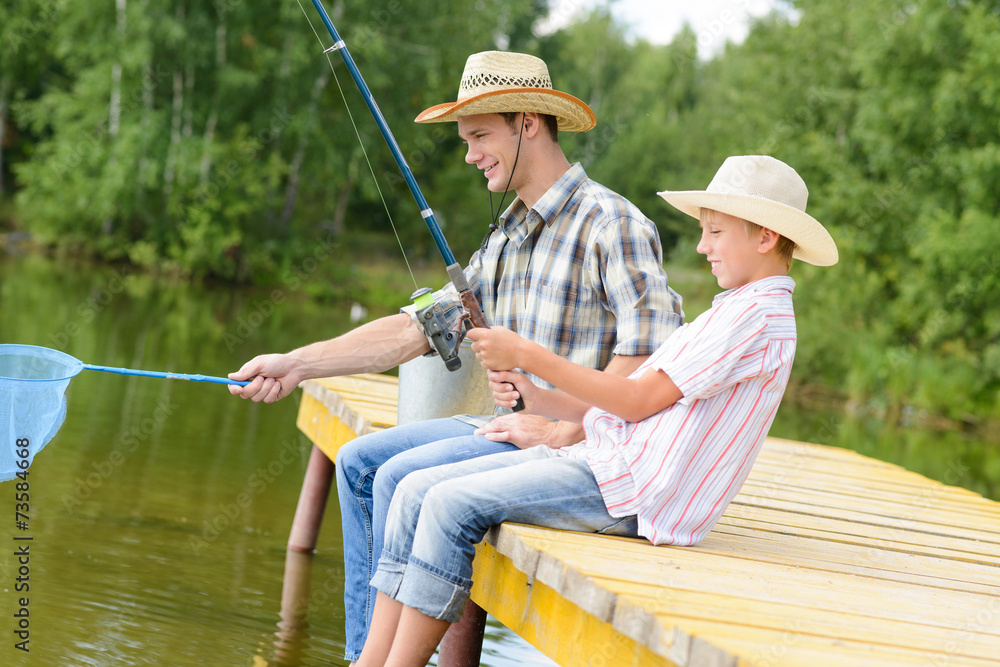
(161, 509)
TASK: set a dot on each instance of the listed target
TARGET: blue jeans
(368, 470)
(438, 516)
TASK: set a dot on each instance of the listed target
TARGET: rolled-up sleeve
(647, 310)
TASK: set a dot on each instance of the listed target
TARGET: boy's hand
(496, 348)
(508, 386)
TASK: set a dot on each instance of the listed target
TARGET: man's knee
(346, 462)
(390, 474)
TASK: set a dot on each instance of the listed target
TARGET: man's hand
(521, 430)
(274, 377)
(526, 431)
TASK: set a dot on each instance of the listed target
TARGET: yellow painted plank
(558, 628)
(747, 551)
(727, 611)
(796, 551)
(791, 648)
(841, 531)
(932, 513)
(336, 410)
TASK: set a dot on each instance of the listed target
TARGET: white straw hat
(767, 192)
(500, 81)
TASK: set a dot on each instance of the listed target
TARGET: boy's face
(736, 257)
(492, 146)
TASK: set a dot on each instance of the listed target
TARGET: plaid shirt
(580, 273)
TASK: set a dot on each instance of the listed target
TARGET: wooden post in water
(462, 645)
(312, 502)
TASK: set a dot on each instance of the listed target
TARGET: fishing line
(363, 150)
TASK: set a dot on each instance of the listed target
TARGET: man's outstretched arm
(373, 347)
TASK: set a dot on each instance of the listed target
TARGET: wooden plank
(841, 531)
(700, 568)
(947, 574)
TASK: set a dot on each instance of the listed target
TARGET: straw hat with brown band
(500, 81)
(768, 192)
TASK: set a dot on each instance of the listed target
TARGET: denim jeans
(438, 515)
(368, 470)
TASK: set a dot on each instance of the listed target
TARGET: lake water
(160, 512)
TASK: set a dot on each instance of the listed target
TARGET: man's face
(492, 147)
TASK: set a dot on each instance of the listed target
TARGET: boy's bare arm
(508, 386)
(631, 399)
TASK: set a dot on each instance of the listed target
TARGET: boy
(666, 448)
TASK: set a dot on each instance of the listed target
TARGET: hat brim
(814, 245)
(573, 115)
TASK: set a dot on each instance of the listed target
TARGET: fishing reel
(445, 336)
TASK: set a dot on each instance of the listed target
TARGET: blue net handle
(166, 376)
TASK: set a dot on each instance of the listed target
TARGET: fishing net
(33, 383)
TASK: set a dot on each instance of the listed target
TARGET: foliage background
(212, 140)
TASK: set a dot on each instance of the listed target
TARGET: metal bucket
(428, 390)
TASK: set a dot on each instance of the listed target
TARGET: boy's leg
(432, 455)
(416, 638)
(383, 631)
(400, 636)
(356, 465)
(439, 515)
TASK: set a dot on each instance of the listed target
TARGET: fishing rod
(421, 297)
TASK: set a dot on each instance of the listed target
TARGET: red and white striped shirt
(678, 469)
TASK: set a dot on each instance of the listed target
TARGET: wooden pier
(826, 557)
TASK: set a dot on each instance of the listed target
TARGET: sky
(714, 21)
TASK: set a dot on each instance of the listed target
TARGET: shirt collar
(764, 285)
(517, 222)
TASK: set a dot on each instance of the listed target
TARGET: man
(571, 265)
